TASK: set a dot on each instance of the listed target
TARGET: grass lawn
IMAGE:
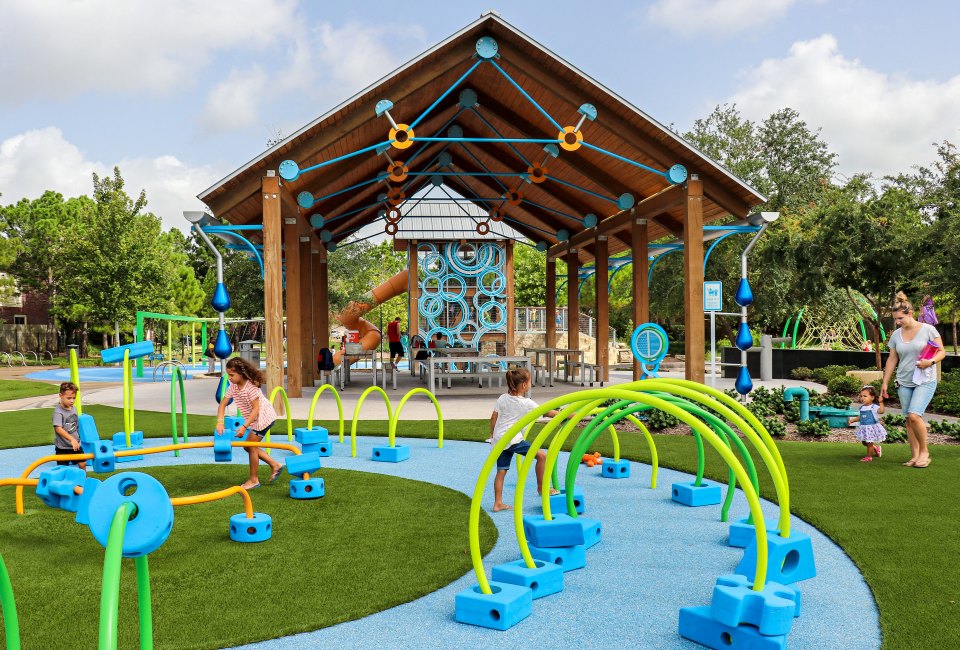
(373, 542)
(900, 525)
(18, 388)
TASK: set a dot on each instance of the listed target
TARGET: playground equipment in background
(221, 299)
(129, 438)
(754, 606)
(649, 345)
(835, 417)
(827, 328)
(350, 317)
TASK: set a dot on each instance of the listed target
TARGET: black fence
(786, 360)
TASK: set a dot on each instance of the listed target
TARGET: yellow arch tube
(356, 415)
(654, 459)
(313, 406)
(553, 452)
(286, 408)
(395, 419)
(216, 496)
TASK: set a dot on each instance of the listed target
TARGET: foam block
(103, 459)
(543, 580)
(615, 469)
(325, 449)
(223, 446)
(742, 533)
(258, 529)
(558, 502)
(312, 436)
(567, 558)
(311, 488)
(83, 507)
(388, 454)
(772, 610)
(501, 610)
(310, 448)
(562, 530)
(120, 444)
(789, 559)
(304, 463)
(707, 494)
(697, 625)
(63, 486)
(592, 531)
(87, 430)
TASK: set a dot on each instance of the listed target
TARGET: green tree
(797, 164)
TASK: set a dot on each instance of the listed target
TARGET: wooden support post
(573, 300)
(413, 293)
(294, 302)
(510, 346)
(307, 332)
(321, 303)
(601, 254)
(272, 280)
(551, 315)
(693, 280)
(641, 290)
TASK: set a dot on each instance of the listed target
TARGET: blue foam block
(567, 558)
(258, 529)
(103, 459)
(558, 502)
(137, 349)
(83, 507)
(311, 488)
(501, 610)
(789, 559)
(120, 444)
(772, 610)
(87, 430)
(708, 494)
(311, 436)
(324, 449)
(592, 531)
(742, 533)
(310, 448)
(304, 463)
(62, 486)
(233, 422)
(614, 469)
(391, 454)
(697, 625)
(543, 580)
(562, 530)
(223, 446)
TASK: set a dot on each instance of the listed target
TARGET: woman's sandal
(909, 463)
(920, 464)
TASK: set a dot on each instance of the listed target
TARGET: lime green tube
(395, 419)
(176, 380)
(11, 625)
(75, 378)
(110, 591)
(127, 396)
(356, 415)
(553, 452)
(286, 409)
(313, 406)
(654, 459)
(143, 603)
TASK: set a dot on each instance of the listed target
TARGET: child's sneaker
(878, 450)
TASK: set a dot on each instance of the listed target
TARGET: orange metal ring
(402, 136)
(570, 138)
(496, 215)
(537, 173)
(393, 215)
(483, 228)
(398, 171)
(391, 228)
(514, 197)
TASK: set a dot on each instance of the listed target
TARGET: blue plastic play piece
(307, 436)
(742, 533)
(562, 530)
(615, 469)
(55, 487)
(305, 200)
(744, 296)
(289, 170)
(137, 350)
(487, 47)
(304, 463)
(544, 580)
(120, 444)
(311, 488)
(771, 610)
(677, 174)
(501, 610)
(87, 429)
(567, 558)
(744, 340)
(222, 347)
(789, 559)
(743, 384)
(223, 446)
(707, 494)
(233, 422)
(626, 201)
(383, 106)
(697, 625)
(324, 449)
(258, 529)
(103, 459)
(313, 448)
(389, 454)
(90, 486)
(590, 220)
(563, 234)
(151, 526)
(317, 220)
(592, 531)
(221, 299)
(558, 502)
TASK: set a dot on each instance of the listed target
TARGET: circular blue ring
(487, 306)
(497, 287)
(446, 295)
(428, 260)
(426, 305)
(635, 343)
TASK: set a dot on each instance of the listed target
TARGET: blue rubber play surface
(655, 557)
(106, 374)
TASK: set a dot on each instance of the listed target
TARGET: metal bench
(583, 367)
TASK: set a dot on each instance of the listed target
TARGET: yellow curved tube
(553, 453)
(394, 421)
(286, 408)
(75, 378)
(313, 406)
(216, 496)
(654, 459)
(356, 415)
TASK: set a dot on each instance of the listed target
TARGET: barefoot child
(258, 414)
(869, 430)
(509, 409)
(66, 439)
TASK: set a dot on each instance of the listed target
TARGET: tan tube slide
(350, 317)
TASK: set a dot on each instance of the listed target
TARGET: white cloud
(51, 49)
(720, 17)
(876, 122)
(40, 160)
(234, 103)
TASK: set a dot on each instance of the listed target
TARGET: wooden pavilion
(583, 204)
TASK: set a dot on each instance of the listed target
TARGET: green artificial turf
(19, 388)
(373, 542)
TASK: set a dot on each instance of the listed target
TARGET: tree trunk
(116, 332)
(876, 343)
(955, 335)
(106, 340)
(83, 341)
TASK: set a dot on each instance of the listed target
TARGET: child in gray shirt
(66, 439)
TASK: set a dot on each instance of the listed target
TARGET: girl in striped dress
(258, 415)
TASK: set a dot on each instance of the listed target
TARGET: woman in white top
(906, 344)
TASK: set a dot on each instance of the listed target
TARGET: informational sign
(712, 296)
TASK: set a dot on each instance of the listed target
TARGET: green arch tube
(313, 406)
(8, 606)
(553, 452)
(110, 593)
(356, 415)
(395, 419)
(176, 381)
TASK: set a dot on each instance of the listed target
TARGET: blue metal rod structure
(619, 157)
(347, 189)
(653, 264)
(614, 273)
(456, 173)
(555, 211)
(344, 157)
(482, 166)
(525, 94)
(231, 228)
(495, 130)
(248, 244)
(463, 209)
(446, 92)
(714, 245)
(354, 211)
(527, 225)
(440, 130)
(583, 189)
(734, 228)
(504, 140)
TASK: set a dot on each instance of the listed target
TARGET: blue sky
(180, 93)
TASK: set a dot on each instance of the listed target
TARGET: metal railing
(534, 320)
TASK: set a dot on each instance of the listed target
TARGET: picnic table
(439, 367)
(551, 355)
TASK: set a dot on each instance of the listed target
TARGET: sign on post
(712, 296)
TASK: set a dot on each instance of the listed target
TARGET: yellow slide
(350, 317)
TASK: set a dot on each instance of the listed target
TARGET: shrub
(772, 399)
(896, 434)
(732, 392)
(844, 385)
(895, 420)
(658, 420)
(817, 428)
(832, 400)
(804, 373)
(944, 427)
(791, 411)
(761, 410)
(825, 374)
(775, 427)
(947, 397)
